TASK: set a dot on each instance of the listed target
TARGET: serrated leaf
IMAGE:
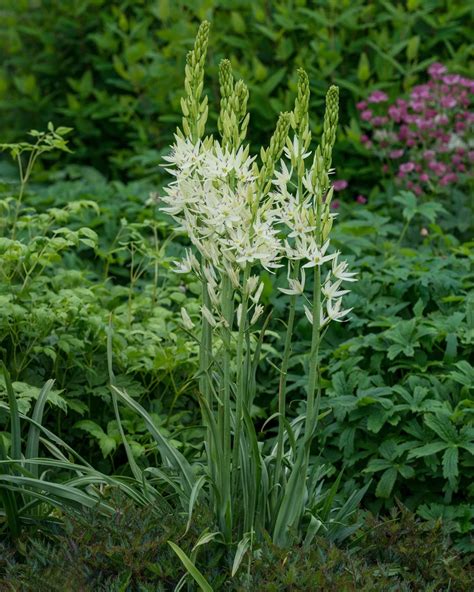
(386, 483)
(450, 464)
(427, 450)
(443, 428)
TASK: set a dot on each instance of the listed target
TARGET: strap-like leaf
(191, 568)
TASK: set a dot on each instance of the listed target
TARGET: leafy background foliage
(112, 70)
(92, 249)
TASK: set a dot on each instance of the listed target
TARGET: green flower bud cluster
(299, 120)
(331, 116)
(299, 115)
(319, 174)
(194, 109)
(233, 119)
(270, 155)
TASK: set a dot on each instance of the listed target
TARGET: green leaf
(450, 464)
(377, 464)
(386, 483)
(427, 450)
(242, 548)
(32, 442)
(441, 425)
(14, 416)
(191, 568)
(363, 69)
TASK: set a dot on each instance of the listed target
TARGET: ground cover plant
(207, 382)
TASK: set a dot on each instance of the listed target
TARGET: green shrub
(395, 554)
(398, 375)
(67, 267)
(112, 69)
(130, 553)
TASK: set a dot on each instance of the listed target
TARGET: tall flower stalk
(243, 215)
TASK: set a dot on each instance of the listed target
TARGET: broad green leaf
(442, 426)
(386, 483)
(450, 463)
(427, 449)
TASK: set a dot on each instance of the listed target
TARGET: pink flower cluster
(425, 140)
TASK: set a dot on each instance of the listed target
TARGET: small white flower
(257, 313)
(282, 177)
(256, 297)
(339, 271)
(331, 290)
(334, 310)
(239, 315)
(233, 274)
(318, 256)
(309, 315)
(187, 322)
(296, 286)
(252, 284)
(207, 314)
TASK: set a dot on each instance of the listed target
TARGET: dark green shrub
(397, 375)
(89, 553)
(398, 554)
(113, 69)
(130, 553)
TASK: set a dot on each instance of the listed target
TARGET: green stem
(282, 385)
(314, 355)
(227, 300)
(315, 338)
(205, 349)
(404, 230)
(240, 379)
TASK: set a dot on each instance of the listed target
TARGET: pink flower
(379, 120)
(396, 153)
(448, 102)
(448, 179)
(421, 92)
(451, 79)
(335, 204)
(437, 167)
(377, 96)
(361, 199)
(417, 105)
(436, 70)
(395, 113)
(366, 115)
(424, 178)
(361, 105)
(407, 167)
(340, 184)
(417, 190)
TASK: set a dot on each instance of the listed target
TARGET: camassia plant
(243, 217)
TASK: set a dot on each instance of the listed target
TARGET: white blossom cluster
(213, 198)
(216, 200)
(297, 212)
